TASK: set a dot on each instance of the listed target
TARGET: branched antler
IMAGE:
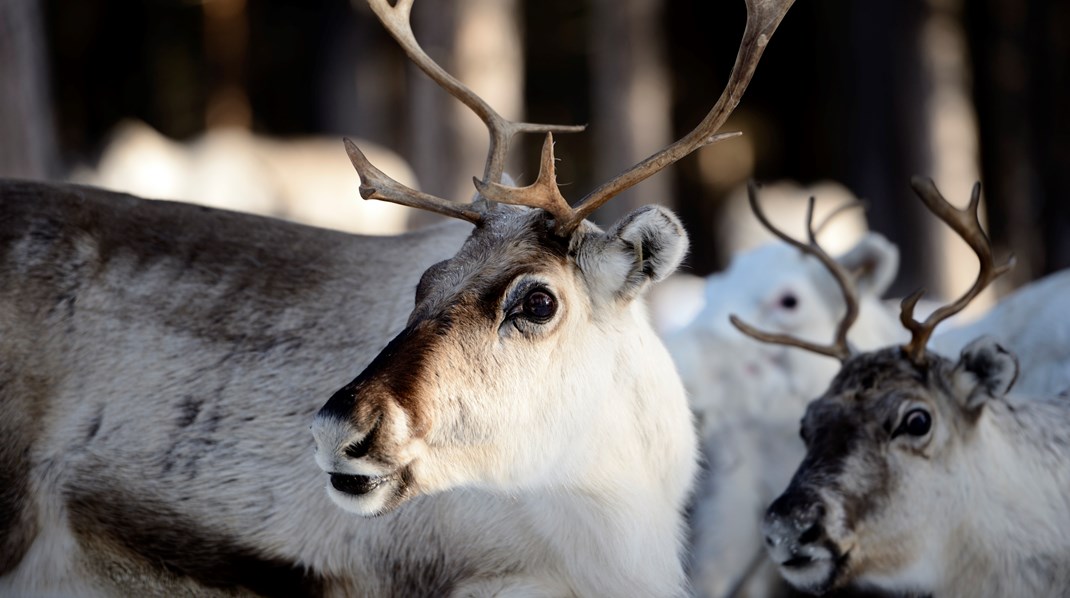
(763, 17)
(967, 224)
(376, 185)
(839, 349)
(543, 193)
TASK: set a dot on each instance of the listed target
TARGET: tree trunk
(630, 114)
(27, 141)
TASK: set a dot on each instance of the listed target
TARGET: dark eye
(539, 305)
(916, 423)
(789, 301)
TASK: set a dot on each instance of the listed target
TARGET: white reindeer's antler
(839, 348)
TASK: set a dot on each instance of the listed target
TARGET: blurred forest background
(863, 94)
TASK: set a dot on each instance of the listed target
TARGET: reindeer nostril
(811, 535)
(359, 449)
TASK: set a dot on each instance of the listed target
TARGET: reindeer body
(162, 365)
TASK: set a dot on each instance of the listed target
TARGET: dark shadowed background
(861, 93)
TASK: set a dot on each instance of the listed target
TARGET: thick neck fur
(636, 491)
(1012, 540)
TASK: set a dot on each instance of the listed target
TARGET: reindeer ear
(985, 371)
(873, 262)
(643, 247)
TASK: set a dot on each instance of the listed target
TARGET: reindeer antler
(763, 17)
(968, 226)
(839, 349)
(377, 185)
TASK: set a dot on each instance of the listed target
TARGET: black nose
(796, 514)
(797, 501)
(341, 403)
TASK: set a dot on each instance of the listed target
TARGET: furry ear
(643, 247)
(985, 371)
(874, 262)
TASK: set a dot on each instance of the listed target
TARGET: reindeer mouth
(357, 485)
(797, 562)
(817, 572)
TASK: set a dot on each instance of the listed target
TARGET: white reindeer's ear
(874, 262)
(985, 371)
(643, 247)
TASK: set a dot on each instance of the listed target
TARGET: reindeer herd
(206, 403)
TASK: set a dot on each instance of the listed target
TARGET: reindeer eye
(539, 305)
(789, 301)
(916, 423)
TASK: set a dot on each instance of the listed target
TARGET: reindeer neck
(632, 494)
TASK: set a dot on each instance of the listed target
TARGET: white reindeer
(923, 475)
(750, 395)
(523, 433)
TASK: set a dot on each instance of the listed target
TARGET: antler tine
(763, 17)
(543, 193)
(375, 184)
(967, 224)
(396, 20)
(840, 348)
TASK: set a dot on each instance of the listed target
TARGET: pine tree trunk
(27, 135)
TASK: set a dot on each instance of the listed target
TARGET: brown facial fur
(457, 297)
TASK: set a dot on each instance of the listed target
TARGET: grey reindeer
(524, 431)
(924, 475)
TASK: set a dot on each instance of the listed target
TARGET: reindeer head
(881, 440)
(882, 437)
(527, 353)
(793, 292)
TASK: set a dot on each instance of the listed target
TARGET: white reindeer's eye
(788, 301)
(917, 422)
(539, 305)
